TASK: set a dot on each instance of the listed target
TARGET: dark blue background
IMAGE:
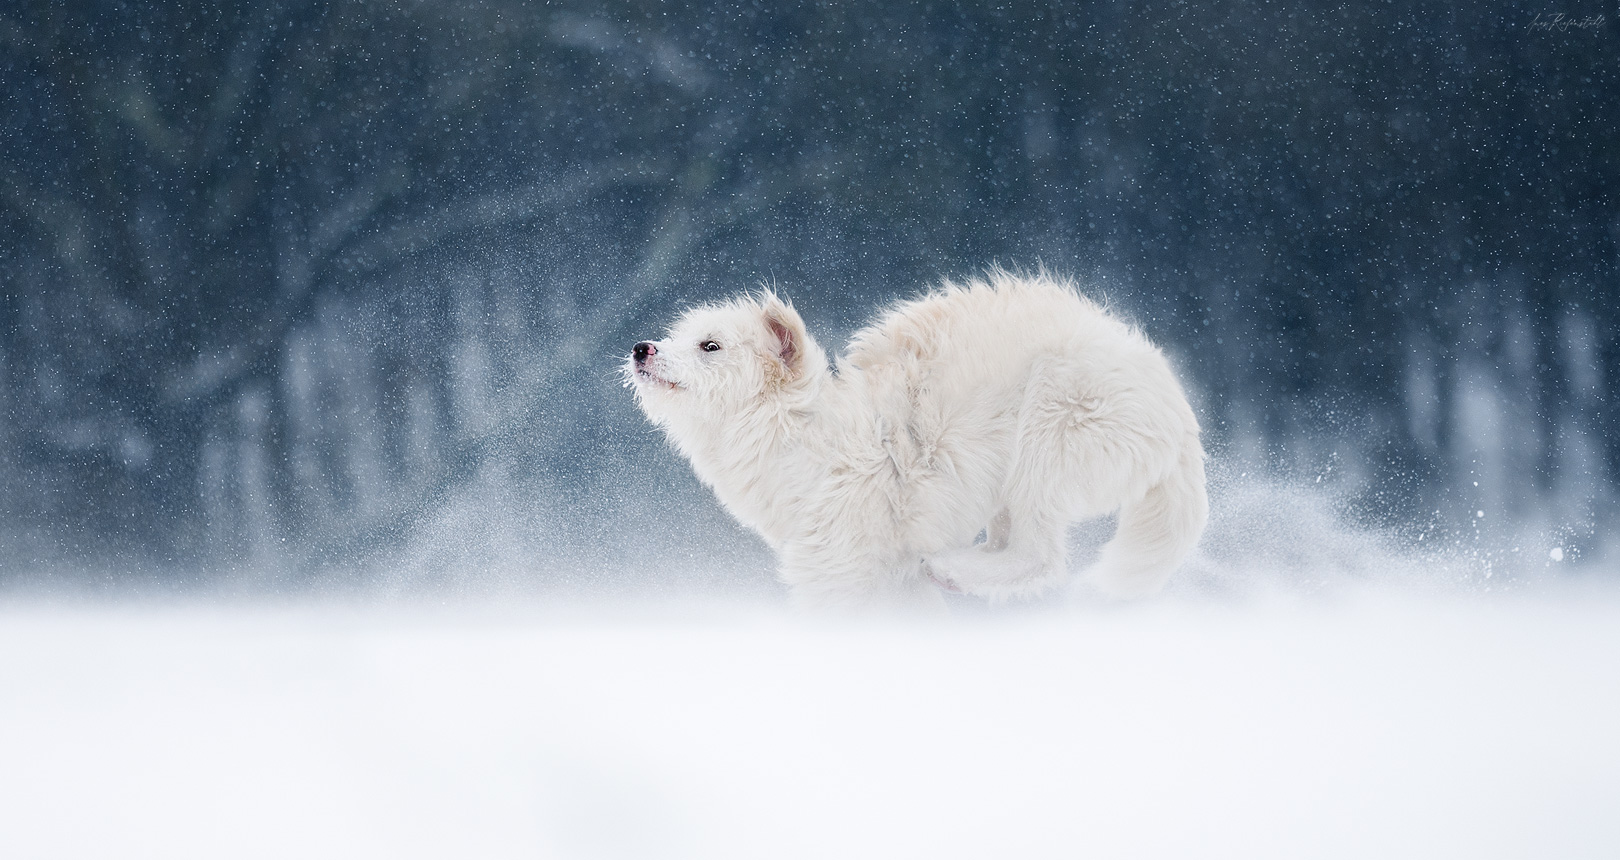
(288, 286)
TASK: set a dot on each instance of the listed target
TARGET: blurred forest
(288, 285)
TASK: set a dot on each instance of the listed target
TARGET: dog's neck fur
(775, 453)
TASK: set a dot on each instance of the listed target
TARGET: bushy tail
(1157, 532)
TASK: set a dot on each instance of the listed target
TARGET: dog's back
(973, 325)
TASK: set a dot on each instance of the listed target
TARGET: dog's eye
(709, 346)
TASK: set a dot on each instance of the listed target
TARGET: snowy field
(1359, 721)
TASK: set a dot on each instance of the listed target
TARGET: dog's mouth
(647, 377)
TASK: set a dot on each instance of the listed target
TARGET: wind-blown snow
(1364, 721)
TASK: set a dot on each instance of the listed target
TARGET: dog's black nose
(643, 350)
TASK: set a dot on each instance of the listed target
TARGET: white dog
(1004, 407)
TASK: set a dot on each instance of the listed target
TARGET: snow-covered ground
(1362, 721)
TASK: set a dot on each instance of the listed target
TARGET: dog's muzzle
(642, 355)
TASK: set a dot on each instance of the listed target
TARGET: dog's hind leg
(1023, 553)
(1060, 455)
(1023, 557)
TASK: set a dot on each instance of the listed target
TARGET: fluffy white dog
(1005, 407)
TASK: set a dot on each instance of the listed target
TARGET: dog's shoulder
(910, 329)
(919, 329)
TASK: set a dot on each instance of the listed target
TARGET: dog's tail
(1157, 532)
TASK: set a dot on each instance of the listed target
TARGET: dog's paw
(962, 571)
(995, 576)
(944, 582)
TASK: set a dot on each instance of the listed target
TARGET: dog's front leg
(996, 537)
(820, 581)
(999, 532)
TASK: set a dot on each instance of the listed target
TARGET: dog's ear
(787, 335)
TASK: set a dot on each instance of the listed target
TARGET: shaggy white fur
(1009, 406)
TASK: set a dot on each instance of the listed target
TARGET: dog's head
(718, 360)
